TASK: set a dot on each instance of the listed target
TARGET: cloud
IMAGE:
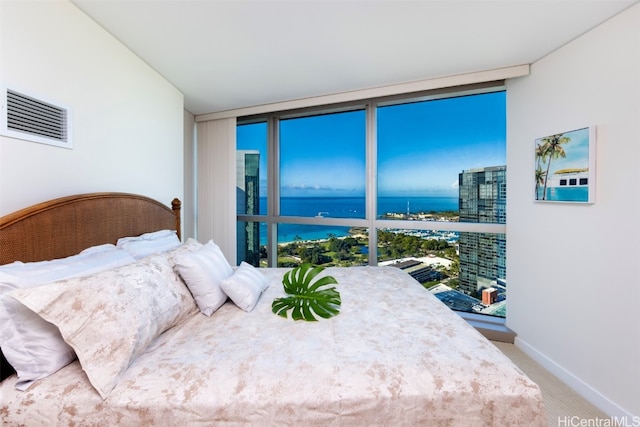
(315, 190)
(305, 187)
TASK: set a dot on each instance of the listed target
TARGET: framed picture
(565, 167)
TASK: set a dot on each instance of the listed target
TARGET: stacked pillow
(31, 345)
(203, 271)
(245, 286)
(211, 279)
(106, 307)
(149, 243)
(111, 317)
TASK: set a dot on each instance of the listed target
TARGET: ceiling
(231, 54)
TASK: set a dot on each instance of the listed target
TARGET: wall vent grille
(35, 120)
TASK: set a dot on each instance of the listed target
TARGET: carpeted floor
(564, 407)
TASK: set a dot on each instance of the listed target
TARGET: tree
(313, 255)
(541, 157)
(343, 255)
(553, 149)
(540, 179)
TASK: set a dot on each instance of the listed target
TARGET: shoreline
(323, 239)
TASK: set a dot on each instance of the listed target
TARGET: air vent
(32, 119)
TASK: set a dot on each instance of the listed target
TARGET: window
(418, 183)
(251, 190)
(445, 160)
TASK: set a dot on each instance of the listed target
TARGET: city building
(248, 201)
(489, 296)
(482, 198)
(421, 272)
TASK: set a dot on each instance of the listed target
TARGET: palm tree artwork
(540, 180)
(541, 157)
(548, 149)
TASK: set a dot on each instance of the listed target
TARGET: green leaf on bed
(308, 299)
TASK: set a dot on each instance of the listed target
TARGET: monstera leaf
(307, 299)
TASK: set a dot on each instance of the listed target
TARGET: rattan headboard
(65, 226)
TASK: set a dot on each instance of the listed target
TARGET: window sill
(493, 328)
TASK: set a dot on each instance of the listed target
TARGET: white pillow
(149, 244)
(154, 235)
(99, 248)
(111, 317)
(203, 271)
(190, 245)
(31, 345)
(21, 274)
(245, 286)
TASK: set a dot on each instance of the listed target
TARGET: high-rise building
(248, 202)
(489, 296)
(482, 198)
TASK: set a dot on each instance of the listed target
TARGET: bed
(394, 355)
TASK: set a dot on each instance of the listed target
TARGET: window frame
(370, 221)
(491, 326)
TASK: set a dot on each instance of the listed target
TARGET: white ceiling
(236, 53)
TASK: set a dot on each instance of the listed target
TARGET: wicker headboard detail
(65, 226)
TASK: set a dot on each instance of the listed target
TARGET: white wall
(574, 275)
(127, 119)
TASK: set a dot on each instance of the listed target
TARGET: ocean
(344, 207)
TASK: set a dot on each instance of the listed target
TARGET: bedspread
(394, 356)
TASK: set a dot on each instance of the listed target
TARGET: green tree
(313, 255)
(541, 157)
(553, 149)
(540, 179)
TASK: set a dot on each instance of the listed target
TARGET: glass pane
(466, 271)
(425, 147)
(252, 243)
(430, 257)
(321, 245)
(483, 272)
(323, 206)
(483, 195)
(251, 169)
(322, 165)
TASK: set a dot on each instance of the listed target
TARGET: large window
(251, 191)
(417, 183)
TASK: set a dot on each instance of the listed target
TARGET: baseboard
(591, 395)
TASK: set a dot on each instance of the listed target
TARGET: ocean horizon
(344, 207)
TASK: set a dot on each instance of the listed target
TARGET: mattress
(394, 355)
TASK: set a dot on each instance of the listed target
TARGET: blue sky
(576, 150)
(323, 155)
(422, 147)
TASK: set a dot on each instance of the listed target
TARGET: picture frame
(565, 167)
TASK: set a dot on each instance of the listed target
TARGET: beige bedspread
(394, 356)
